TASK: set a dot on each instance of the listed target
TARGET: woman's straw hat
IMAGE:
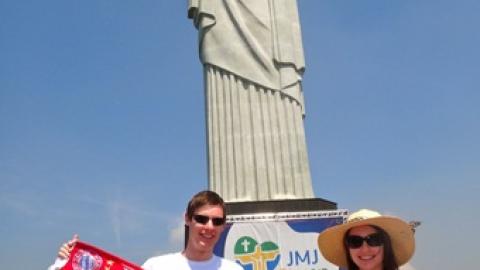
(331, 244)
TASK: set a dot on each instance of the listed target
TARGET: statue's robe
(253, 60)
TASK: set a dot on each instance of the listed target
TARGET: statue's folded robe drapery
(258, 40)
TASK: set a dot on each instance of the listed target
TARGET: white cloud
(407, 267)
(177, 236)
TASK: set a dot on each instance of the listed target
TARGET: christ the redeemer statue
(253, 62)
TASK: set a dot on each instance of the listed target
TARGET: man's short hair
(202, 198)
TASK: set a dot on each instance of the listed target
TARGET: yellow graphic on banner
(263, 256)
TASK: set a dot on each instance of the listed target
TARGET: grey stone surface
(253, 63)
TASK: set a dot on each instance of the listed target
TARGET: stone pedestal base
(275, 206)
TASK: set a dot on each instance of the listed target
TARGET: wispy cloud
(128, 215)
(115, 212)
(31, 205)
(17, 204)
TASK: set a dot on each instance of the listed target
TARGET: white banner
(282, 241)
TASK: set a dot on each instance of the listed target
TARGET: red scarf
(87, 257)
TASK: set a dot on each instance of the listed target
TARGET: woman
(368, 241)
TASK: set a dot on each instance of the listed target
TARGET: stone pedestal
(275, 206)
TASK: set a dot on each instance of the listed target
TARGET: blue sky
(102, 121)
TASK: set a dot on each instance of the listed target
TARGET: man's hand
(66, 248)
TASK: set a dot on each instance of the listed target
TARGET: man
(205, 217)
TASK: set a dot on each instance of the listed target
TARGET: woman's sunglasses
(355, 241)
(216, 221)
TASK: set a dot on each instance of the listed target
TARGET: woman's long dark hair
(389, 262)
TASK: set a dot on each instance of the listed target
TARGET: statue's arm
(202, 12)
(193, 9)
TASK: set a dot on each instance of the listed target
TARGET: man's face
(203, 237)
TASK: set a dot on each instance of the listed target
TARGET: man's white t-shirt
(179, 262)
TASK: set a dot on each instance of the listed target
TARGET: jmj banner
(285, 241)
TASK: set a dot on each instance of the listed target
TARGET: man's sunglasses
(216, 221)
(355, 241)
